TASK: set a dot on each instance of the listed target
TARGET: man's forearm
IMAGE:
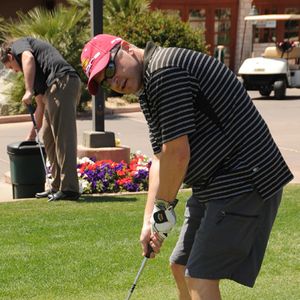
(167, 173)
(153, 187)
(28, 65)
(174, 160)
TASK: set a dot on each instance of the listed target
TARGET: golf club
(139, 272)
(31, 111)
(150, 250)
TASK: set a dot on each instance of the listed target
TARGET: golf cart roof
(273, 17)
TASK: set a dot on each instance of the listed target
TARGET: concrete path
(282, 117)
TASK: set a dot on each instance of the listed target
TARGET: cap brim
(93, 86)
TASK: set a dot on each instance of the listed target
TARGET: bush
(162, 28)
(15, 94)
(130, 98)
(66, 29)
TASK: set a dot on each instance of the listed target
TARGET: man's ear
(127, 47)
(10, 56)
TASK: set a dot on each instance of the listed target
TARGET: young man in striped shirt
(206, 132)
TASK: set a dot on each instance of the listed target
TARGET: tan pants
(59, 131)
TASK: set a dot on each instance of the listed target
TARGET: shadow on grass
(106, 198)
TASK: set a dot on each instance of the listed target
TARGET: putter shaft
(137, 277)
(31, 111)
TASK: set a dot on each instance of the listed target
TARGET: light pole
(98, 137)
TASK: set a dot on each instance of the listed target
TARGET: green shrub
(66, 29)
(130, 98)
(2, 21)
(13, 91)
(124, 8)
(162, 28)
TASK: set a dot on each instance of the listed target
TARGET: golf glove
(163, 217)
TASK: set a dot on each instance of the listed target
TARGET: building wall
(241, 41)
(258, 46)
(218, 18)
(244, 34)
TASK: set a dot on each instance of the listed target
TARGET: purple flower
(107, 176)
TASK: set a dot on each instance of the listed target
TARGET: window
(292, 28)
(222, 30)
(265, 32)
(270, 32)
(197, 18)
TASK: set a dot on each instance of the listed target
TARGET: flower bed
(106, 176)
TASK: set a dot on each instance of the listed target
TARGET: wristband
(165, 204)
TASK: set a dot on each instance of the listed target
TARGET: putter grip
(150, 250)
(31, 111)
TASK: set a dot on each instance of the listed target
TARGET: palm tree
(66, 28)
(113, 7)
(63, 28)
(124, 8)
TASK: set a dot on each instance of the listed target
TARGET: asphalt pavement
(282, 117)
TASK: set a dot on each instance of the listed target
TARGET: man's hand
(163, 218)
(150, 242)
(27, 98)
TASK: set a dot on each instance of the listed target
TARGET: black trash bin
(26, 169)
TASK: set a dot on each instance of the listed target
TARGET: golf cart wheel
(279, 89)
(265, 91)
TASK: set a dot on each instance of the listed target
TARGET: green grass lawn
(90, 250)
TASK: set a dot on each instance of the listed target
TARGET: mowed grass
(90, 250)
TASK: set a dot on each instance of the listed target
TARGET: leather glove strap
(163, 204)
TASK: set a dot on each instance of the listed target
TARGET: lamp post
(98, 143)
(98, 100)
(98, 137)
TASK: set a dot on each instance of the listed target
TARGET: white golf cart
(277, 69)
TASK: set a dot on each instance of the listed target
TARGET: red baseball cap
(95, 57)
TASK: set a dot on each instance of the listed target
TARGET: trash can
(26, 169)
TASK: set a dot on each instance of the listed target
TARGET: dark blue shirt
(49, 62)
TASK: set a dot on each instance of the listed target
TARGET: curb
(89, 197)
(108, 111)
(7, 178)
(14, 119)
(122, 110)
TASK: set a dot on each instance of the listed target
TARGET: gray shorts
(226, 238)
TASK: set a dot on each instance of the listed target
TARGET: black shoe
(44, 194)
(66, 195)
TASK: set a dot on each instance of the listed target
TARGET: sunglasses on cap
(110, 69)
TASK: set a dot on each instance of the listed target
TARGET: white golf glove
(163, 217)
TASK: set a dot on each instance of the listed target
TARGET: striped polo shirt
(235, 156)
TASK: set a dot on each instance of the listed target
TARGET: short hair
(4, 54)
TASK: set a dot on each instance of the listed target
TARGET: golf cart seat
(274, 52)
(294, 67)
